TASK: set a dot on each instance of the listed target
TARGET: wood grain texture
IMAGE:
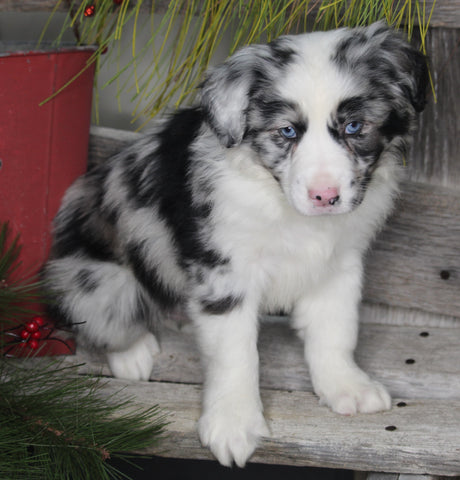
(435, 155)
(433, 370)
(397, 476)
(306, 434)
(445, 14)
(411, 258)
(427, 435)
(415, 260)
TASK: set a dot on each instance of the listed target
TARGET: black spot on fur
(78, 236)
(353, 41)
(162, 180)
(368, 148)
(143, 312)
(149, 278)
(81, 225)
(334, 131)
(173, 187)
(397, 123)
(220, 306)
(418, 66)
(85, 280)
(268, 111)
(363, 182)
(282, 53)
(139, 177)
(351, 109)
(111, 214)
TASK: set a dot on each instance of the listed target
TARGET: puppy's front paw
(137, 361)
(356, 393)
(231, 433)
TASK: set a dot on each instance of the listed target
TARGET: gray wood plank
(435, 155)
(433, 370)
(425, 412)
(415, 261)
(397, 476)
(426, 439)
(410, 259)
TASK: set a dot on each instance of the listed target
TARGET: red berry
(117, 2)
(40, 321)
(33, 344)
(89, 11)
(36, 335)
(24, 334)
(31, 326)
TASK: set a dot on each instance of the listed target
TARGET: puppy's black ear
(386, 59)
(225, 93)
(418, 68)
(412, 66)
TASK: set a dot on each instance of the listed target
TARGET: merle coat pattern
(263, 197)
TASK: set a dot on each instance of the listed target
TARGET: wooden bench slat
(427, 435)
(426, 439)
(382, 352)
(415, 260)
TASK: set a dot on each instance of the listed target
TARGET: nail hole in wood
(401, 404)
(410, 361)
(444, 274)
(424, 334)
(390, 428)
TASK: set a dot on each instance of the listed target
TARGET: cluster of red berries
(33, 332)
(90, 10)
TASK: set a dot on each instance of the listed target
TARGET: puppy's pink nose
(322, 197)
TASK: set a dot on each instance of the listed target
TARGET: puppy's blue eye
(288, 132)
(353, 128)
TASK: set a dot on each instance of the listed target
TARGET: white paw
(136, 362)
(359, 394)
(231, 433)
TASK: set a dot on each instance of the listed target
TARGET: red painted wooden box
(42, 148)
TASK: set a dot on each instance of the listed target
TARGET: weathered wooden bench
(412, 279)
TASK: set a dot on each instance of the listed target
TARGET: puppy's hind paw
(136, 362)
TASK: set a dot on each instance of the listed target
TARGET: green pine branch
(16, 293)
(57, 424)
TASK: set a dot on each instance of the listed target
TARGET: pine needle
(59, 425)
(56, 424)
(16, 293)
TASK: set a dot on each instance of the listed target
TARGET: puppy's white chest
(300, 263)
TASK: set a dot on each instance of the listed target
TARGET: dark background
(174, 469)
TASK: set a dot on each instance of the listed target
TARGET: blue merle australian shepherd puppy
(263, 197)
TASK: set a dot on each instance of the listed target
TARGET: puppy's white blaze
(313, 84)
